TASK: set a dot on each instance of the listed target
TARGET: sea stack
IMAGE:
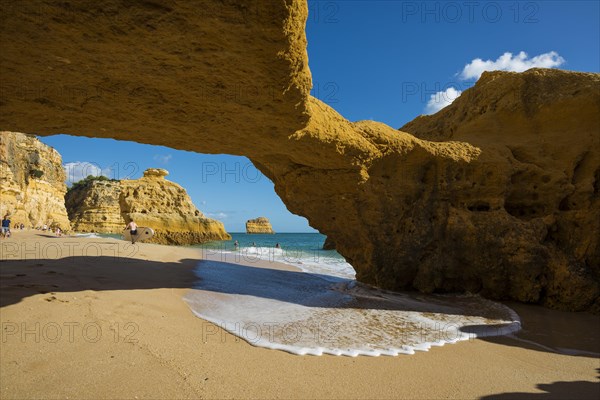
(102, 205)
(259, 225)
(32, 182)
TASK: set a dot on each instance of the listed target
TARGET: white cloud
(441, 100)
(78, 170)
(509, 62)
(506, 62)
(163, 159)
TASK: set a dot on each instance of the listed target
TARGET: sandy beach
(97, 318)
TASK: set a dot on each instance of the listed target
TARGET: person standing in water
(132, 226)
(236, 244)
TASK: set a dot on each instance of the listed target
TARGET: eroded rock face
(155, 173)
(153, 201)
(95, 207)
(533, 208)
(32, 182)
(259, 225)
(480, 212)
(476, 201)
(178, 74)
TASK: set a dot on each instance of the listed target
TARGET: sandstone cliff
(531, 208)
(107, 206)
(95, 207)
(469, 213)
(32, 182)
(259, 225)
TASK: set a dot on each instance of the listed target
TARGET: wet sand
(97, 318)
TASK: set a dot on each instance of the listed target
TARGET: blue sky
(379, 60)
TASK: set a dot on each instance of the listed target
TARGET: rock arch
(232, 77)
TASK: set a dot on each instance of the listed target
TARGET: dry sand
(112, 324)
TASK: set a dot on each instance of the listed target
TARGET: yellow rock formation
(32, 182)
(95, 207)
(495, 194)
(259, 225)
(107, 206)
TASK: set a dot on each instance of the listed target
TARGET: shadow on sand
(556, 390)
(23, 278)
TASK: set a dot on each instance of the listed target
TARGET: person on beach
(236, 244)
(277, 246)
(6, 226)
(132, 226)
(58, 232)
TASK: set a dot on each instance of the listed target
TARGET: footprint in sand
(54, 298)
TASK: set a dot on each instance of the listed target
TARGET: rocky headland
(106, 206)
(259, 225)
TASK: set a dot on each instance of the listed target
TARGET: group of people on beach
(6, 224)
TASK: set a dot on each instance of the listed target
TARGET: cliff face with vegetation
(259, 225)
(32, 182)
(495, 194)
(107, 206)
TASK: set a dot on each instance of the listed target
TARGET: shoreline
(115, 325)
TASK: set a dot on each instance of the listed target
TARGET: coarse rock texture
(153, 201)
(259, 225)
(533, 208)
(166, 207)
(165, 72)
(95, 207)
(32, 182)
(406, 211)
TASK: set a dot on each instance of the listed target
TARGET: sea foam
(89, 236)
(304, 312)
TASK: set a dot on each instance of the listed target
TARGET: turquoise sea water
(308, 242)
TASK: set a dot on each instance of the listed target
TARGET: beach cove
(107, 320)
